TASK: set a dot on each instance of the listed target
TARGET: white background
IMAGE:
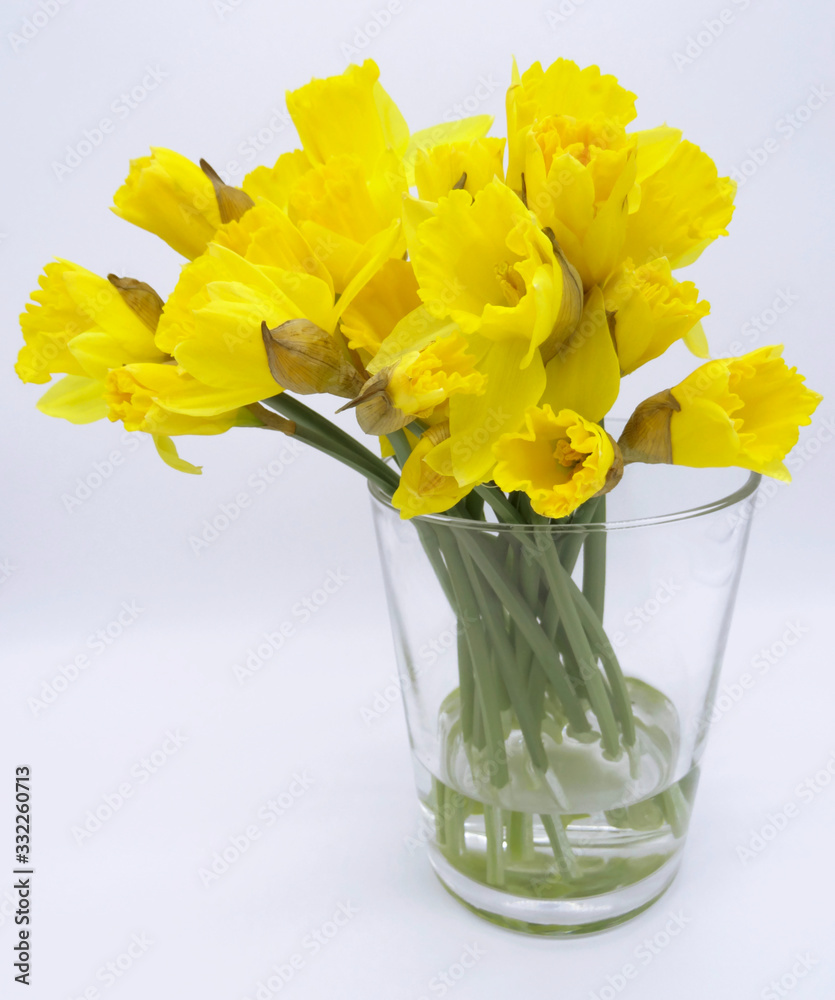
(345, 840)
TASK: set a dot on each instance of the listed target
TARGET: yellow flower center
(566, 455)
(511, 282)
(582, 139)
(127, 399)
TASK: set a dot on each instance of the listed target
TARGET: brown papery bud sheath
(305, 359)
(231, 201)
(376, 414)
(647, 437)
(141, 298)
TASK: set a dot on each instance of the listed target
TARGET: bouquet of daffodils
(477, 311)
(476, 301)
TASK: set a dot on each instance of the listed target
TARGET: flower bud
(231, 201)
(304, 358)
(647, 436)
(376, 413)
(141, 298)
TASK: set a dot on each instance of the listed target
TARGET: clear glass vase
(558, 679)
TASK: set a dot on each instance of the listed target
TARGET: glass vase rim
(745, 490)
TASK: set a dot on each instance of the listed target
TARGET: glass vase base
(554, 917)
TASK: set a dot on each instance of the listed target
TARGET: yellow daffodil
(343, 198)
(562, 90)
(422, 490)
(276, 183)
(389, 296)
(485, 263)
(478, 420)
(578, 175)
(649, 310)
(173, 198)
(419, 383)
(347, 183)
(261, 270)
(589, 349)
(559, 460)
(338, 206)
(81, 325)
(485, 269)
(684, 205)
(743, 411)
(101, 332)
(500, 309)
(135, 394)
(605, 193)
(350, 114)
(466, 165)
(212, 325)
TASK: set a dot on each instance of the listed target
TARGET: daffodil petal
(75, 398)
(167, 451)
(570, 386)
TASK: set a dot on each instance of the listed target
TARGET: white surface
(345, 840)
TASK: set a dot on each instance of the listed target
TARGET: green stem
(563, 855)
(494, 832)
(532, 630)
(594, 563)
(466, 682)
(440, 812)
(492, 615)
(560, 583)
(486, 685)
(598, 638)
(520, 836)
(503, 508)
(326, 437)
(401, 446)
